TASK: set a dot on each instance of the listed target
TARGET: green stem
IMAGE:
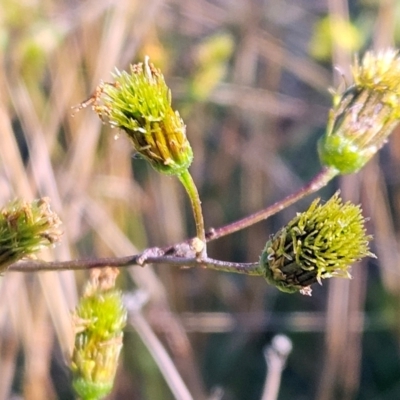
(316, 183)
(191, 189)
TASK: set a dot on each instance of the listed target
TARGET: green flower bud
(364, 115)
(319, 243)
(26, 228)
(99, 320)
(139, 103)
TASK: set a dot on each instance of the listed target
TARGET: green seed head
(99, 321)
(364, 115)
(26, 228)
(319, 243)
(139, 103)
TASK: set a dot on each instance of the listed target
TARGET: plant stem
(157, 255)
(120, 262)
(191, 189)
(252, 269)
(134, 303)
(275, 356)
(319, 181)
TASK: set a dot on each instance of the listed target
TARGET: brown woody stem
(316, 183)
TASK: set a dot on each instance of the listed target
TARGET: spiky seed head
(26, 228)
(319, 243)
(365, 114)
(139, 103)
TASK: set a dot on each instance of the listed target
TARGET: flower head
(26, 228)
(319, 243)
(365, 114)
(139, 103)
(99, 320)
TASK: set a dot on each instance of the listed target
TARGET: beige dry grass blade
(266, 110)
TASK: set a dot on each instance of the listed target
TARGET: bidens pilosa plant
(139, 103)
(317, 244)
(26, 228)
(99, 320)
(365, 114)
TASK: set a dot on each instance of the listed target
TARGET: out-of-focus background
(251, 80)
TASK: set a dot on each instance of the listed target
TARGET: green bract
(364, 115)
(139, 103)
(99, 319)
(25, 228)
(319, 243)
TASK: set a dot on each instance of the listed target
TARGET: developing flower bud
(139, 103)
(319, 243)
(99, 320)
(364, 115)
(26, 228)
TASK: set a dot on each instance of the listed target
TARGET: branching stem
(319, 181)
(158, 256)
(90, 263)
(191, 189)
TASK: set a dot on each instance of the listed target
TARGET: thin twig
(155, 347)
(158, 255)
(138, 259)
(275, 356)
(319, 181)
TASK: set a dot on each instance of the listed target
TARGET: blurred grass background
(251, 80)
